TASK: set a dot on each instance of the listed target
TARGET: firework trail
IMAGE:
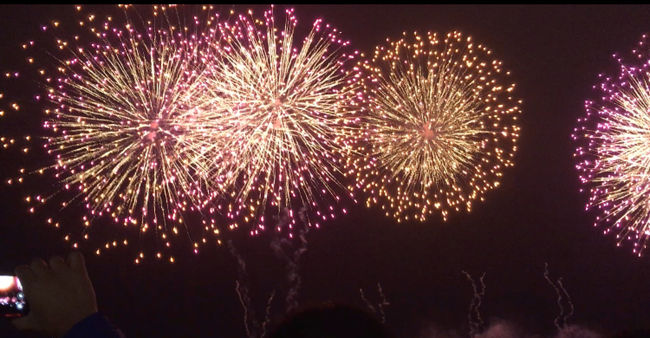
(474, 316)
(290, 254)
(288, 109)
(125, 137)
(612, 154)
(245, 301)
(440, 127)
(562, 297)
(267, 314)
(378, 309)
(254, 328)
(243, 293)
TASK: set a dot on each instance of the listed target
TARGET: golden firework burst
(440, 127)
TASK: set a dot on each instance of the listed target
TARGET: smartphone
(12, 298)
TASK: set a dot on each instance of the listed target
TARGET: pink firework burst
(124, 136)
(613, 150)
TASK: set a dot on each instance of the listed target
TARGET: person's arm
(61, 299)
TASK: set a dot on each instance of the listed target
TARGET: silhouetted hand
(59, 294)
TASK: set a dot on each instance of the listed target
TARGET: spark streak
(612, 153)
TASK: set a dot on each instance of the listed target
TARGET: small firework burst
(288, 108)
(440, 128)
(613, 150)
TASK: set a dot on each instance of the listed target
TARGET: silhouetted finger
(25, 323)
(25, 275)
(57, 264)
(39, 267)
(77, 262)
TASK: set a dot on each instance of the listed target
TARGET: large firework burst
(441, 125)
(287, 108)
(613, 153)
(125, 133)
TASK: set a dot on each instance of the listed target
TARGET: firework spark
(440, 128)
(613, 158)
(288, 110)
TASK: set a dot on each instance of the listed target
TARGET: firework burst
(288, 109)
(440, 128)
(125, 135)
(613, 157)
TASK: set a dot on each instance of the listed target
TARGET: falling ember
(440, 126)
(613, 150)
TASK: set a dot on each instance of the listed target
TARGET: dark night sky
(536, 216)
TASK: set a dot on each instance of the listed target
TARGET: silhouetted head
(633, 334)
(331, 321)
